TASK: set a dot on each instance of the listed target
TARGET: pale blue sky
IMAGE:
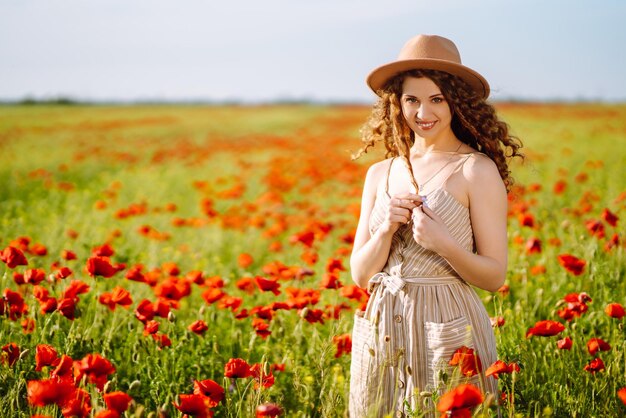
(295, 49)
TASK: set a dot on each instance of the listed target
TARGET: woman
(433, 222)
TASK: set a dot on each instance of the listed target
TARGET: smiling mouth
(426, 125)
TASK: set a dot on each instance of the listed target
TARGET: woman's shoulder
(480, 169)
(376, 172)
(479, 163)
(379, 167)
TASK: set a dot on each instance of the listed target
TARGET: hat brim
(378, 77)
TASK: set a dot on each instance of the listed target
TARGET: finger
(401, 212)
(406, 203)
(409, 196)
(399, 219)
(429, 212)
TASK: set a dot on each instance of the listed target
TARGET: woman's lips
(426, 125)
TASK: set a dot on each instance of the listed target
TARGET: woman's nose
(423, 112)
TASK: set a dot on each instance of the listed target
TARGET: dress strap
(387, 180)
(459, 165)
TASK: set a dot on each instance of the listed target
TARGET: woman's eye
(437, 100)
(411, 100)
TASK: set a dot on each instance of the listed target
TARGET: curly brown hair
(474, 122)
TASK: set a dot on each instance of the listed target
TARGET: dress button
(397, 318)
(400, 384)
(399, 414)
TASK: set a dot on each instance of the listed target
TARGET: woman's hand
(429, 230)
(398, 211)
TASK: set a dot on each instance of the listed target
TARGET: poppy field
(163, 261)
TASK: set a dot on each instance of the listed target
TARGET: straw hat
(429, 52)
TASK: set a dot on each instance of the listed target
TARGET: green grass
(153, 154)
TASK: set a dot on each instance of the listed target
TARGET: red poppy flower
(13, 257)
(117, 401)
(10, 354)
(538, 269)
(343, 343)
(613, 242)
(244, 260)
(545, 328)
(194, 405)
(263, 312)
(526, 219)
(501, 367)
(64, 368)
(504, 290)
(559, 187)
(78, 405)
(461, 398)
(15, 303)
(615, 310)
(573, 310)
(162, 340)
(49, 391)
(621, 394)
(67, 307)
(237, 368)
(595, 365)
(330, 281)
(313, 315)
(468, 361)
(609, 217)
(28, 324)
(305, 237)
(195, 276)
(261, 327)
(119, 296)
(63, 273)
(105, 250)
(230, 302)
(261, 379)
(34, 276)
(497, 321)
(581, 297)
(170, 268)
(334, 264)
(212, 295)
(596, 344)
(150, 327)
(268, 410)
(68, 255)
(100, 266)
(107, 413)
(144, 311)
(267, 285)
(309, 257)
(564, 343)
(45, 355)
(135, 274)
(75, 288)
(572, 264)
(210, 389)
(95, 367)
(199, 327)
(533, 246)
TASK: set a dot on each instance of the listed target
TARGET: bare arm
(370, 252)
(488, 213)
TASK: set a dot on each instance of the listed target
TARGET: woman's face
(425, 108)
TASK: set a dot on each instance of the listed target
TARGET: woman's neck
(422, 146)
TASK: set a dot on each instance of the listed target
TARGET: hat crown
(430, 47)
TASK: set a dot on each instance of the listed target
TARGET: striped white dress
(419, 312)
